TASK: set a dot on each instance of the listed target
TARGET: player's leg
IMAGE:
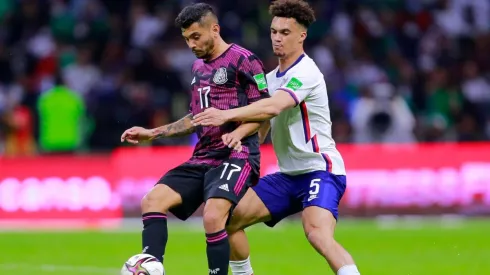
(154, 207)
(179, 185)
(250, 210)
(224, 186)
(215, 215)
(263, 203)
(240, 263)
(319, 220)
(319, 225)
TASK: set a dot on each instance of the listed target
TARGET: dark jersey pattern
(224, 83)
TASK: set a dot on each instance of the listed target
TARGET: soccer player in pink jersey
(224, 76)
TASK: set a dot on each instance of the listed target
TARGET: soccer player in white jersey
(312, 176)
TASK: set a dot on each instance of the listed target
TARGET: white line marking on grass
(56, 268)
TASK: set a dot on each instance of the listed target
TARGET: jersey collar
(281, 74)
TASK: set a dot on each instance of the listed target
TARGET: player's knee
(159, 199)
(151, 203)
(214, 221)
(318, 223)
(215, 215)
(318, 233)
(238, 221)
(321, 238)
(235, 225)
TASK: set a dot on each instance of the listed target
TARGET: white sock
(347, 270)
(241, 267)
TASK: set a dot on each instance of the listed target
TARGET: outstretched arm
(287, 96)
(264, 109)
(181, 127)
(261, 110)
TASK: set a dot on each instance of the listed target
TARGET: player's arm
(181, 127)
(285, 97)
(246, 129)
(261, 110)
(288, 96)
(234, 139)
(264, 130)
(264, 109)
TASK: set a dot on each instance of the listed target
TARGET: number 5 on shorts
(234, 168)
(315, 187)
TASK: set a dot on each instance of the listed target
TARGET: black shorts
(198, 183)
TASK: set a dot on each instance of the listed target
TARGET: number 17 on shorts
(230, 180)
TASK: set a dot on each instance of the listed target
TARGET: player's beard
(207, 50)
(279, 54)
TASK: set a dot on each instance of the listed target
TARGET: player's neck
(220, 47)
(287, 61)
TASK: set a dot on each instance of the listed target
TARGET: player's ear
(215, 29)
(302, 37)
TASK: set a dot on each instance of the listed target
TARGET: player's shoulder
(240, 51)
(271, 76)
(244, 55)
(197, 64)
(307, 68)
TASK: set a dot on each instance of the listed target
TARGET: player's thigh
(160, 199)
(276, 192)
(187, 181)
(321, 199)
(249, 211)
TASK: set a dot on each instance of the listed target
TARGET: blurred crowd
(75, 73)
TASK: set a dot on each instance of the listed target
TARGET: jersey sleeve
(253, 79)
(299, 86)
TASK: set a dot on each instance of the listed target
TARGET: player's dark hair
(192, 14)
(297, 9)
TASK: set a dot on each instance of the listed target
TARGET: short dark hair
(192, 14)
(297, 9)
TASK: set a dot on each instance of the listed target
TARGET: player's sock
(243, 267)
(348, 270)
(155, 234)
(218, 250)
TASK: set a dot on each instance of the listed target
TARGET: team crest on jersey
(221, 76)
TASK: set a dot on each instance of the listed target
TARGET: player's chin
(199, 54)
(279, 54)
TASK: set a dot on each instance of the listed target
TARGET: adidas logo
(224, 187)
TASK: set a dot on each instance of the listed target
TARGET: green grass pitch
(408, 248)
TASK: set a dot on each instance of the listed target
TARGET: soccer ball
(142, 264)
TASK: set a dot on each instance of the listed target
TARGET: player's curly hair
(297, 9)
(192, 14)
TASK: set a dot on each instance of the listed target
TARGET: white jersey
(302, 136)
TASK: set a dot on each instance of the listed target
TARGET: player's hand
(136, 134)
(232, 141)
(210, 117)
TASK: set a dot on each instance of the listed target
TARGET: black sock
(155, 234)
(218, 250)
